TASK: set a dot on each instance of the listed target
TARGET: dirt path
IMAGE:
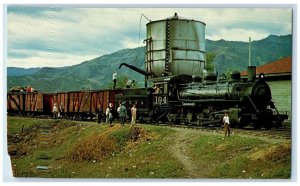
(180, 150)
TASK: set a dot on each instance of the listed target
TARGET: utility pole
(249, 51)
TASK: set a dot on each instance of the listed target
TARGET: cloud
(78, 32)
(30, 59)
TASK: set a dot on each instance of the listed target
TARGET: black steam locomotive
(200, 101)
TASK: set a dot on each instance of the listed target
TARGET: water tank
(175, 46)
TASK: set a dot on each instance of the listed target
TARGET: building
(278, 75)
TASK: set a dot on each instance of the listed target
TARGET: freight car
(77, 104)
(30, 103)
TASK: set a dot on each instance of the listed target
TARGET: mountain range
(97, 73)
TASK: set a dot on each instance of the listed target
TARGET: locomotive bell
(175, 46)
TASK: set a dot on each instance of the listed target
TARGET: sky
(61, 35)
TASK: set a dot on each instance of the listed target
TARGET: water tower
(175, 46)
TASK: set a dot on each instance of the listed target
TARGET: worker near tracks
(226, 124)
(118, 109)
(133, 114)
(107, 113)
(55, 111)
(129, 83)
(115, 79)
(62, 110)
(123, 114)
(111, 116)
(99, 114)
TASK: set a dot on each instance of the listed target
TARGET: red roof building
(282, 67)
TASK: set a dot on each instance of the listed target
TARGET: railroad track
(274, 133)
(283, 132)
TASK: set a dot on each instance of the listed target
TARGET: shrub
(100, 146)
(95, 147)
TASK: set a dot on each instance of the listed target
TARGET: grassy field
(73, 149)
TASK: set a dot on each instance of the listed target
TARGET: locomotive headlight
(261, 76)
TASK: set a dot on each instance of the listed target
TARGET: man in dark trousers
(226, 122)
(123, 114)
(129, 83)
(99, 114)
(115, 79)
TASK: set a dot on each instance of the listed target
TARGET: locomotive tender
(182, 92)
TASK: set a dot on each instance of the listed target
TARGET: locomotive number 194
(160, 100)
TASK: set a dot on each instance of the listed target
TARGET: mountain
(15, 71)
(97, 73)
(233, 55)
(93, 74)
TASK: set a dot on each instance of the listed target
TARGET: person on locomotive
(99, 113)
(133, 114)
(115, 79)
(157, 89)
(129, 83)
(226, 121)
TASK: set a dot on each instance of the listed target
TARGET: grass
(241, 157)
(88, 150)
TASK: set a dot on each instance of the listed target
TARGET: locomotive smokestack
(251, 73)
(251, 69)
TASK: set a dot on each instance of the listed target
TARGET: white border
(155, 3)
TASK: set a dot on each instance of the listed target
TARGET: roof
(282, 66)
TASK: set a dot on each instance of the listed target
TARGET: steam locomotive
(175, 64)
(193, 100)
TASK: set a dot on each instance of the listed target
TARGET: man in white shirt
(115, 79)
(129, 83)
(226, 124)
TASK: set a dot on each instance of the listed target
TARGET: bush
(100, 146)
(95, 147)
(135, 133)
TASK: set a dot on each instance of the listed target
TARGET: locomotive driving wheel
(257, 124)
(242, 122)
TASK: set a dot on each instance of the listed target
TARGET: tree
(210, 57)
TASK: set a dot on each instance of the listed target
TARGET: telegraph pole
(249, 51)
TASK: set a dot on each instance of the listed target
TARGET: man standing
(226, 124)
(55, 111)
(62, 110)
(123, 114)
(133, 114)
(99, 114)
(129, 83)
(115, 79)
